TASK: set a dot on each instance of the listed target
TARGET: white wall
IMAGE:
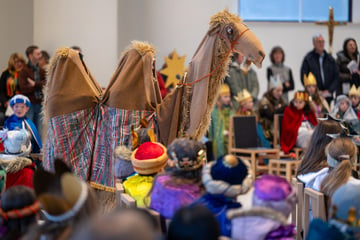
(16, 28)
(104, 28)
(91, 24)
(182, 24)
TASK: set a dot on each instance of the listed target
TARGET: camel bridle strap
(222, 61)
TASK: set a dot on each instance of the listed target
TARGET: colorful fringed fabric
(92, 134)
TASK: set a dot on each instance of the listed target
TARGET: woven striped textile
(86, 140)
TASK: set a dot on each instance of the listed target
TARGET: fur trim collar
(123, 153)
(257, 212)
(221, 187)
(15, 164)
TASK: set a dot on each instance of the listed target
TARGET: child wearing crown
(181, 185)
(271, 104)
(354, 95)
(219, 127)
(317, 102)
(246, 104)
(298, 122)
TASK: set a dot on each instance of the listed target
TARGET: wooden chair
(119, 189)
(126, 201)
(315, 201)
(243, 141)
(276, 137)
(284, 167)
(297, 213)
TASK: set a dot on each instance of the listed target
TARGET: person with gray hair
(323, 66)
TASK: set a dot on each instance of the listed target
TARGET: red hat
(149, 158)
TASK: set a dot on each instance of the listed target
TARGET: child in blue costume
(20, 104)
(224, 180)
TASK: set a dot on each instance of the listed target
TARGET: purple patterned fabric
(86, 140)
(282, 233)
(167, 196)
(272, 188)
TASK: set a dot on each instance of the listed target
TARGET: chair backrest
(297, 213)
(126, 201)
(242, 132)
(314, 201)
(277, 129)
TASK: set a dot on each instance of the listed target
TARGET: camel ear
(214, 29)
(135, 138)
(151, 135)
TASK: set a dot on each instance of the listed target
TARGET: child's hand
(3, 134)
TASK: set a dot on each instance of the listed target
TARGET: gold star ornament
(174, 70)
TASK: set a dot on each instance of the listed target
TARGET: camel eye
(229, 31)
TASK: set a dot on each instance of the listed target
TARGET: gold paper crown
(310, 79)
(224, 90)
(354, 91)
(301, 95)
(243, 96)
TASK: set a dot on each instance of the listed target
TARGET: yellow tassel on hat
(243, 96)
(309, 80)
(354, 91)
(224, 90)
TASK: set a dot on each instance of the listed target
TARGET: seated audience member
(343, 111)
(18, 211)
(193, 223)
(297, 123)
(313, 167)
(246, 109)
(317, 102)
(148, 159)
(219, 127)
(66, 201)
(344, 215)
(20, 104)
(224, 180)
(182, 185)
(271, 104)
(272, 202)
(124, 224)
(354, 95)
(341, 156)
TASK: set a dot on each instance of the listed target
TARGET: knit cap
(19, 98)
(228, 176)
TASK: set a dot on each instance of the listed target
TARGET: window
(294, 10)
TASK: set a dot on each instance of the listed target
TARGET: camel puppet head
(230, 26)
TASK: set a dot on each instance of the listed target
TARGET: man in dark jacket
(31, 83)
(323, 66)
